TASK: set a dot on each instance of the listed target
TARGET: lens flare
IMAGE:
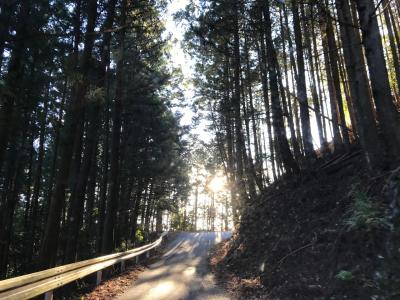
(217, 184)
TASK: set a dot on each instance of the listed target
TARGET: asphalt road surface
(182, 272)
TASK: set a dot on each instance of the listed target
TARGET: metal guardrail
(44, 282)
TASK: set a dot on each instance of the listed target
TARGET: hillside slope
(334, 234)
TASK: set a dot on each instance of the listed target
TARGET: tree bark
(112, 203)
(333, 62)
(301, 84)
(358, 82)
(264, 84)
(239, 143)
(388, 116)
(48, 251)
(279, 128)
(10, 109)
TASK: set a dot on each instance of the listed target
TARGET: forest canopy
(93, 154)
(90, 148)
(290, 84)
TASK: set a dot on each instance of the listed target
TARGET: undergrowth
(334, 236)
(366, 214)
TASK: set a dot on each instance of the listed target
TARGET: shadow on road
(182, 272)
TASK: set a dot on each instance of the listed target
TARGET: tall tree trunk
(90, 232)
(229, 140)
(319, 83)
(388, 117)
(247, 153)
(294, 78)
(287, 107)
(78, 195)
(314, 92)
(255, 168)
(394, 50)
(236, 104)
(37, 185)
(10, 109)
(10, 195)
(112, 203)
(7, 9)
(333, 61)
(337, 139)
(48, 251)
(55, 151)
(279, 128)
(196, 201)
(301, 83)
(358, 82)
(264, 83)
(142, 184)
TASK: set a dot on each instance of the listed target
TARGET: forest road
(182, 273)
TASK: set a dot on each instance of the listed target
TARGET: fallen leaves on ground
(120, 283)
(237, 287)
(116, 285)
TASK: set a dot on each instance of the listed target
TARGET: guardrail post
(48, 295)
(137, 259)
(98, 277)
(148, 254)
(122, 266)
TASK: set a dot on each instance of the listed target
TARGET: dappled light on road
(163, 290)
(182, 273)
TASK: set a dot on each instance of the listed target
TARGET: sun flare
(217, 184)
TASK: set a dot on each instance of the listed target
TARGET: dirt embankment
(334, 234)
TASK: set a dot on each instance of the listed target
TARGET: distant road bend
(182, 272)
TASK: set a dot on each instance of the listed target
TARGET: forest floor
(333, 234)
(114, 286)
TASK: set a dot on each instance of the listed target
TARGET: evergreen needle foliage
(364, 214)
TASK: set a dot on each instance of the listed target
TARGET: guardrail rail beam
(45, 282)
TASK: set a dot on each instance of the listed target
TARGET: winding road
(182, 272)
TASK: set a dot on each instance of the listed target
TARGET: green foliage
(365, 214)
(179, 222)
(176, 220)
(95, 94)
(344, 275)
(122, 247)
(43, 71)
(139, 235)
